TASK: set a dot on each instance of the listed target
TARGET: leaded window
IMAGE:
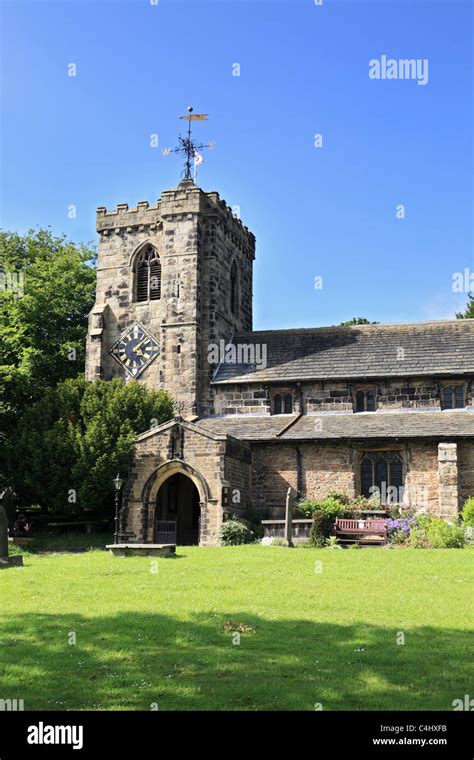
(453, 397)
(381, 470)
(277, 404)
(148, 275)
(365, 401)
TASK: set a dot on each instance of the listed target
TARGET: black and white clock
(135, 349)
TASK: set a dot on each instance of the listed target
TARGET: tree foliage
(469, 312)
(69, 445)
(47, 292)
(357, 321)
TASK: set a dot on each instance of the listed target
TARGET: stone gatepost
(448, 480)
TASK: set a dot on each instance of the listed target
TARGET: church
(317, 409)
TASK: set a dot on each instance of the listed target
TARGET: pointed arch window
(148, 275)
(381, 470)
(234, 288)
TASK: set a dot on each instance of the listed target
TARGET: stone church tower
(172, 280)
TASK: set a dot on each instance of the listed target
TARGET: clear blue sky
(326, 212)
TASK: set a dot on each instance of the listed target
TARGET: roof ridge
(437, 322)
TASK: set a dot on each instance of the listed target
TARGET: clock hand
(140, 344)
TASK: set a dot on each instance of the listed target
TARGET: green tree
(47, 288)
(357, 321)
(469, 313)
(69, 445)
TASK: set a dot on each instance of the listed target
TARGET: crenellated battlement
(177, 204)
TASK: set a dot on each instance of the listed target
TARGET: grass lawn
(327, 637)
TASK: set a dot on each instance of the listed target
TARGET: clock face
(135, 349)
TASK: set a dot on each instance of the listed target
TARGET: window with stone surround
(453, 396)
(283, 403)
(147, 272)
(382, 470)
(365, 400)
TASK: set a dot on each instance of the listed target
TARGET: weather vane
(188, 148)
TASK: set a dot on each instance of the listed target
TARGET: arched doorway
(177, 502)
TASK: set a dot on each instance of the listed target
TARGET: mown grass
(50, 542)
(329, 637)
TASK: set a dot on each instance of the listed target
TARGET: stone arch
(158, 478)
(140, 247)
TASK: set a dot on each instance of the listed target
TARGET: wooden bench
(369, 531)
(20, 540)
(87, 524)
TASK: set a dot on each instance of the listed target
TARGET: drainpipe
(299, 473)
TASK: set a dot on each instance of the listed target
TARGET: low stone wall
(276, 529)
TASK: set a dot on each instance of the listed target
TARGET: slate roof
(440, 425)
(360, 351)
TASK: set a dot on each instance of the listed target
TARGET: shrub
(468, 512)
(342, 498)
(433, 532)
(254, 522)
(419, 539)
(319, 530)
(395, 511)
(236, 532)
(332, 543)
(329, 506)
(359, 503)
(444, 536)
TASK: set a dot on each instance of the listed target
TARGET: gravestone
(5, 560)
(9, 502)
(290, 497)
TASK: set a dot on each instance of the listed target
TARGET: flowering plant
(399, 529)
(401, 523)
(361, 504)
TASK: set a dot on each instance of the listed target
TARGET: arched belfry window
(234, 289)
(148, 275)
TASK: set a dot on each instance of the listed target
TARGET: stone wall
(466, 470)
(212, 462)
(326, 468)
(273, 472)
(202, 456)
(332, 396)
(422, 482)
(334, 467)
(238, 476)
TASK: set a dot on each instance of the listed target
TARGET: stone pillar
(448, 480)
